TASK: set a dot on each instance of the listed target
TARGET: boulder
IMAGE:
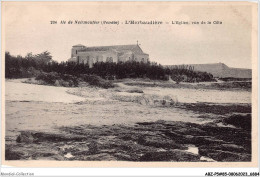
(25, 137)
(159, 142)
(98, 157)
(173, 155)
(241, 121)
(229, 156)
(191, 131)
(232, 148)
(11, 154)
(224, 147)
(93, 147)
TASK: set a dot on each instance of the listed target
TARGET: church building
(116, 53)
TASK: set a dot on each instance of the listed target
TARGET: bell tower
(75, 49)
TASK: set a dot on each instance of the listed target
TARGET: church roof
(115, 47)
(78, 45)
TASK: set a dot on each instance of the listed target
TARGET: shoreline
(123, 110)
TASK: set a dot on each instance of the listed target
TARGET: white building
(117, 53)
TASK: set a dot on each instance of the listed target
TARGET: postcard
(129, 84)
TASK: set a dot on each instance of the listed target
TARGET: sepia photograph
(129, 83)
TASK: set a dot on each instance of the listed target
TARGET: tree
(43, 58)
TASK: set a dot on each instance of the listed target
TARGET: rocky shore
(144, 141)
(126, 123)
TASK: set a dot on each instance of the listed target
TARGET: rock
(79, 153)
(93, 147)
(123, 156)
(53, 157)
(46, 155)
(98, 157)
(202, 140)
(173, 135)
(188, 139)
(225, 156)
(11, 154)
(146, 141)
(158, 142)
(25, 137)
(173, 155)
(232, 147)
(191, 131)
(54, 137)
(127, 137)
(210, 124)
(29, 137)
(223, 147)
(241, 121)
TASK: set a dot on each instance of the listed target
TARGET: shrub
(19, 67)
(56, 79)
(96, 81)
(48, 78)
(177, 78)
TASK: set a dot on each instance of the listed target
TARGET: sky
(27, 29)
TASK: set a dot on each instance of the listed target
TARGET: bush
(67, 80)
(56, 79)
(185, 73)
(177, 78)
(48, 78)
(96, 81)
(20, 67)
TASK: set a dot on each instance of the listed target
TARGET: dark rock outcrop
(25, 137)
(174, 155)
(145, 141)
